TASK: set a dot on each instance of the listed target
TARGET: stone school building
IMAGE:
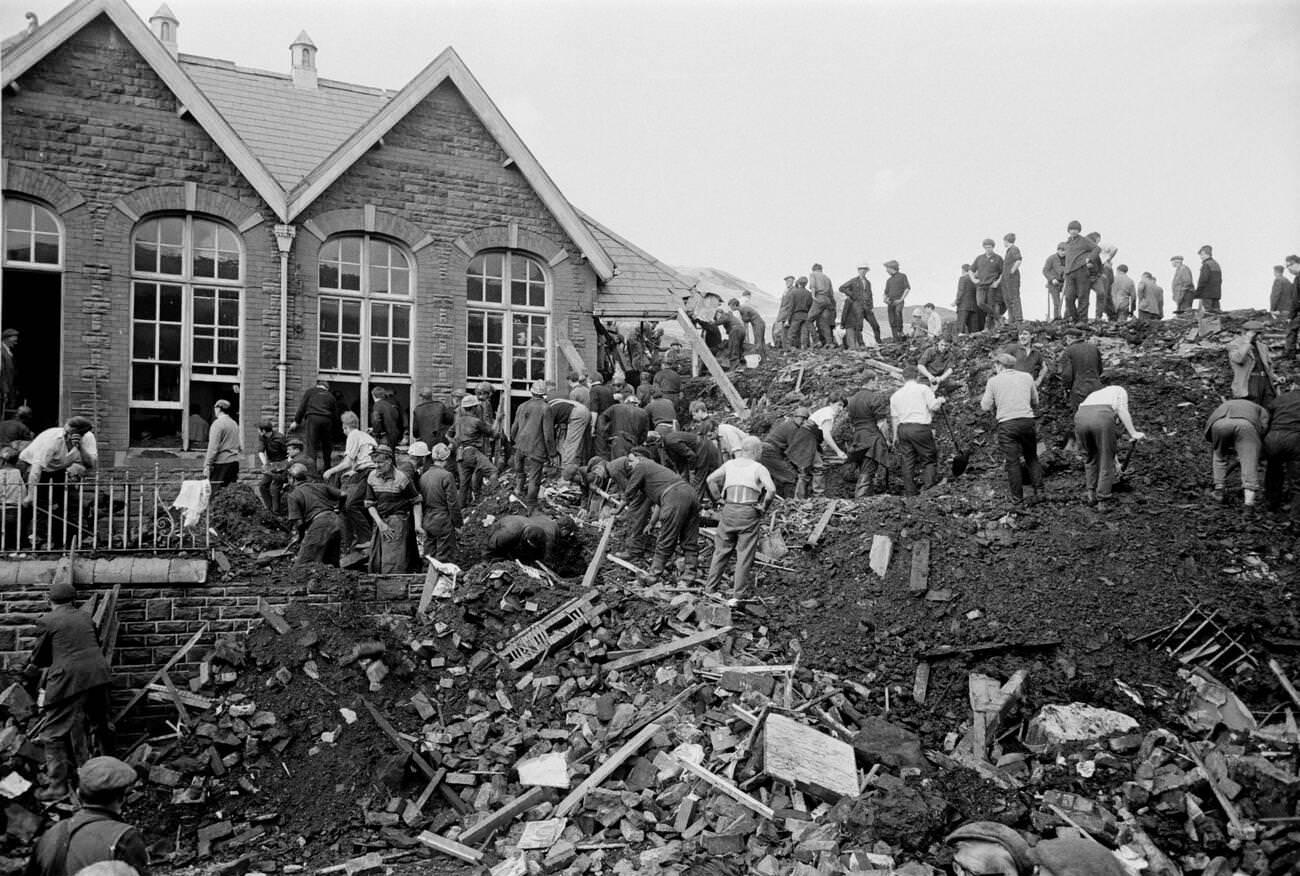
(179, 229)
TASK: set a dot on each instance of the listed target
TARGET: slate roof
(292, 130)
(642, 287)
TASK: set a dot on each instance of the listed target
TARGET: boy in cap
(77, 682)
(442, 514)
(96, 832)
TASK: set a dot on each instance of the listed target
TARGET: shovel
(1122, 470)
(961, 456)
(772, 544)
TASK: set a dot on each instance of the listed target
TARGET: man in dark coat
(969, 317)
(1081, 367)
(859, 306)
(622, 427)
(1054, 274)
(96, 832)
(869, 450)
(692, 456)
(315, 509)
(442, 513)
(318, 414)
(1080, 253)
(77, 682)
(533, 438)
(651, 484)
(776, 451)
(430, 420)
(1209, 285)
(386, 422)
(801, 302)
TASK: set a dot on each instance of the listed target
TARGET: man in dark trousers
(692, 456)
(1292, 313)
(1011, 395)
(733, 328)
(1054, 274)
(430, 420)
(1237, 426)
(969, 317)
(386, 422)
(868, 409)
(776, 450)
(859, 306)
(896, 289)
(753, 323)
(1010, 284)
(315, 511)
(1209, 285)
(473, 465)
(669, 383)
(1281, 445)
(96, 832)
(911, 414)
(801, 302)
(651, 484)
(533, 439)
(76, 683)
(622, 427)
(442, 514)
(1081, 367)
(987, 268)
(318, 414)
(273, 456)
(515, 537)
(1079, 254)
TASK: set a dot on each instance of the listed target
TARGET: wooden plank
(272, 617)
(882, 551)
(603, 772)
(921, 683)
(416, 758)
(450, 847)
(728, 788)
(593, 568)
(809, 760)
(175, 658)
(506, 814)
(161, 693)
(724, 382)
(571, 354)
(660, 651)
(415, 808)
(175, 697)
(920, 580)
(820, 528)
(1280, 674)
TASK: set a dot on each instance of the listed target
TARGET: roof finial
(164, 24)
(302, 56)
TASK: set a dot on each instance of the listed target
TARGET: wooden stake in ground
(724, 382)
(920, 580)
(820, 528)
(603, 772)
(593, 568)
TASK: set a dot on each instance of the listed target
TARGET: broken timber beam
(724, 382)
(727, 788)
(506, 814)
(272, 617)
(570, 352)
(416, 758)
(175, 658)
(450, 847)
(820, 528)
(593, 568)
(920, 580)
(603, 772)
(660, 651)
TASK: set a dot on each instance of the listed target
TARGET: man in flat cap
(96, 833)
(987, 268)
(896, 289)
(1182, 287)
(1209, 286)
(76, 682)
(858, 308)
(532, 434)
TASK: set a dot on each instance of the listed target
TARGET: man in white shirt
(1094, 432)
(823, 419)
(59, 453)
(911, 409)
(353, 470)
(1011, 395)
(745, 486)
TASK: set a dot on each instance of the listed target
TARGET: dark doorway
(32, 305)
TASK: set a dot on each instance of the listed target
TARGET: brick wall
(157, 621)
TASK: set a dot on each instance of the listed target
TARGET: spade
(961, 456)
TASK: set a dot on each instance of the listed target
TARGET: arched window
(33, 237)
(508, 307)
(186, 317)
(366, 311)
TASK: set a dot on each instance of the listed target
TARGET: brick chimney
(302, 54)
(164, 25)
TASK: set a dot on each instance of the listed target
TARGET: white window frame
(368, 299)
(189, 284)
(508, 311)
(4, 235)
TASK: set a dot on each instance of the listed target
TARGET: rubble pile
(1122, 673)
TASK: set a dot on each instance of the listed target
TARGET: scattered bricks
(16, 702)
(729, 844)
(212, 833)
(165, 776)
(561, 855)
(743, 681)
(547, 770)
(382, 819)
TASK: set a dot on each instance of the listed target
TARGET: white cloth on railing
(193, 500)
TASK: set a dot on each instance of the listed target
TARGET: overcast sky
(758, 137)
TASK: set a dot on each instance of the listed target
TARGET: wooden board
(272, 617)
(920, 580)
(450, 847)
(820, 528)
(809, 760)
(603, 772)
(728, 788)
(660, 651)
(175, 658)
(882, 551)
(483, 829)
(570, 352)
(593, 568)
(706, 355)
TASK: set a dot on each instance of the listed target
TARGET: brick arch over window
(468, 245)
(188, 198)
(355, 220)
(41, 186)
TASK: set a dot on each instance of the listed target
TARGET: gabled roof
(72, 18)
(643, 287)
(291, 129)
(216, 94)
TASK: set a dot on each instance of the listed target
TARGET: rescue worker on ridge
(76, 681)
(96, 832)
(746, 489)
(314, 509)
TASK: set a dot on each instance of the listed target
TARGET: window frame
(35, 204)
(190, 285)
(508, 311)
(364, 375)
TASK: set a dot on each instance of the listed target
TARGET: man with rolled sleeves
(96, 832)
(745, 488)
(1182, 288)
(1094, 431)
(1080, 252)
(911, 411)
(1209, 285)
(650, 483)
(314, 510)
(987, 268)
(76, 684)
